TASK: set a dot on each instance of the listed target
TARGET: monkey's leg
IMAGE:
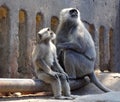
(77, 65)
(55, 83)
(66, 89)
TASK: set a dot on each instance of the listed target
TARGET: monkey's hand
(54, 74)
(64, 76)
(71, 46)
(63, 46)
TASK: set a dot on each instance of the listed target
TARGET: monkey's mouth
(73, 13)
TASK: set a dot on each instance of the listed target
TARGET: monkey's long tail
(94, 79)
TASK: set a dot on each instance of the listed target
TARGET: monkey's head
(69, 14)
(46, 34)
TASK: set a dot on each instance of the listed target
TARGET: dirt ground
(110, 80)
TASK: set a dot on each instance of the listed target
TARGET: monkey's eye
(48, 29)
(40, 36)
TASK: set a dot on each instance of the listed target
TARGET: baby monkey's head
(46, 34)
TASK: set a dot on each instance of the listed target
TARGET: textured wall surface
(21, 19)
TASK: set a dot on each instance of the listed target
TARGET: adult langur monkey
(46, 65)
(76, 48)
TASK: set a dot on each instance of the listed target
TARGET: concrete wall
(21, 19)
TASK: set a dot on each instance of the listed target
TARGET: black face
(73, 13)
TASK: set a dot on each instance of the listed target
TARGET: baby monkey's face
(46, 34)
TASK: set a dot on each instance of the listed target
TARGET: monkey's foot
(64, 97)
(74, 96)
(69, 97)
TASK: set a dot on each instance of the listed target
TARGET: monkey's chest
(49, 57)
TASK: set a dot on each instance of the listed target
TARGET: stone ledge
(89, 93)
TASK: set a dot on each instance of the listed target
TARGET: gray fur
(46, 66)
(75, 47)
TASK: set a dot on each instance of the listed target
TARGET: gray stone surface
(107, 97)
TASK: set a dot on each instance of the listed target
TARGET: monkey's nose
(73, 12)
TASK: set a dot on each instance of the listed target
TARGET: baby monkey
(46, 65)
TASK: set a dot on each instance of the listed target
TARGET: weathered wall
(25, 17)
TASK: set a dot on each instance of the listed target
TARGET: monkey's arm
(57, 65)
(77, 48)
(71, 46)
(33, 71)
(41, 64)
(60, 69)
